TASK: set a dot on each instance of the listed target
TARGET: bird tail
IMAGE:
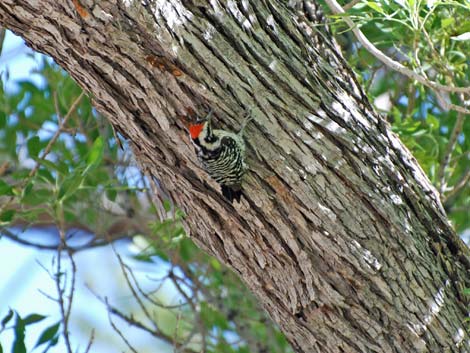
(232, 192)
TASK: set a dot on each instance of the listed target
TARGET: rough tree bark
(340, 234)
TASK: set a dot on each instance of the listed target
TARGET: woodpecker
(222, 155)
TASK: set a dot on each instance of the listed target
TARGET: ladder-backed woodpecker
(222, 154)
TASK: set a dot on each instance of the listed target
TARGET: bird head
(201, 125)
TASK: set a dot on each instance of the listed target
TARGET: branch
(118, 331)
(447, 154)
(131, 321)
(125, 269)
(92, 244)
(351, 4)
(65, 307)
(155, 332)
(464, 181)
(449, 106)
(90, 341)
(146, 295)
(395, 65)
(2, 37)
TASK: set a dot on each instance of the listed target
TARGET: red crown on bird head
(195, 130)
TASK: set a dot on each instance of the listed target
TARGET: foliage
(433, 38)
(48, 338)
(61, 181)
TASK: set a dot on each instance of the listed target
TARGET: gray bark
(340, 234)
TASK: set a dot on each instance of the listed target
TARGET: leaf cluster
(432, 38)
(47, 339)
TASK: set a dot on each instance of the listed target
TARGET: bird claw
(247, 119)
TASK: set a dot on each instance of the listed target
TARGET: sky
(19, 61)
(26, 283)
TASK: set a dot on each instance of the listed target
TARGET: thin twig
(133, 322)
(4, 167)
(351, 4)
(48, 296)
(156, 196)
(450, 106)
(90, 341)
(65, 305)
(463, 182)
(175, 335)
(146, 295)
(56, 107)
(118, 331)
(92, 244)
(54, 138)
(448, 153)
(72, 288)
(125, 269)
(198, 324)
(60, 292)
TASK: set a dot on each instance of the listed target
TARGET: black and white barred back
(222, 155)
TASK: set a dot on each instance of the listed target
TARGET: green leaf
(7, 318)
(432, 121)
(179, 214)
(212, 317)
(446, 22)
(37, 197)
(54, 341)
(5, 189)
(46, 176)
(34, 146)
(111, 194)
(33, 318)
(70, 185)
(48, 334)
(32, 215)
(167, 205)
(374, 6)
(187, 249)
(70, 217)
(3, 119)
(96, 153)
(58, 167)
(1, 349)
(7, 215)
(215, 264)
(18, 344)
(10, 141)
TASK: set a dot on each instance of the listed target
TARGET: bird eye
(210, 139)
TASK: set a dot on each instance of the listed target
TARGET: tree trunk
(339, 233)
